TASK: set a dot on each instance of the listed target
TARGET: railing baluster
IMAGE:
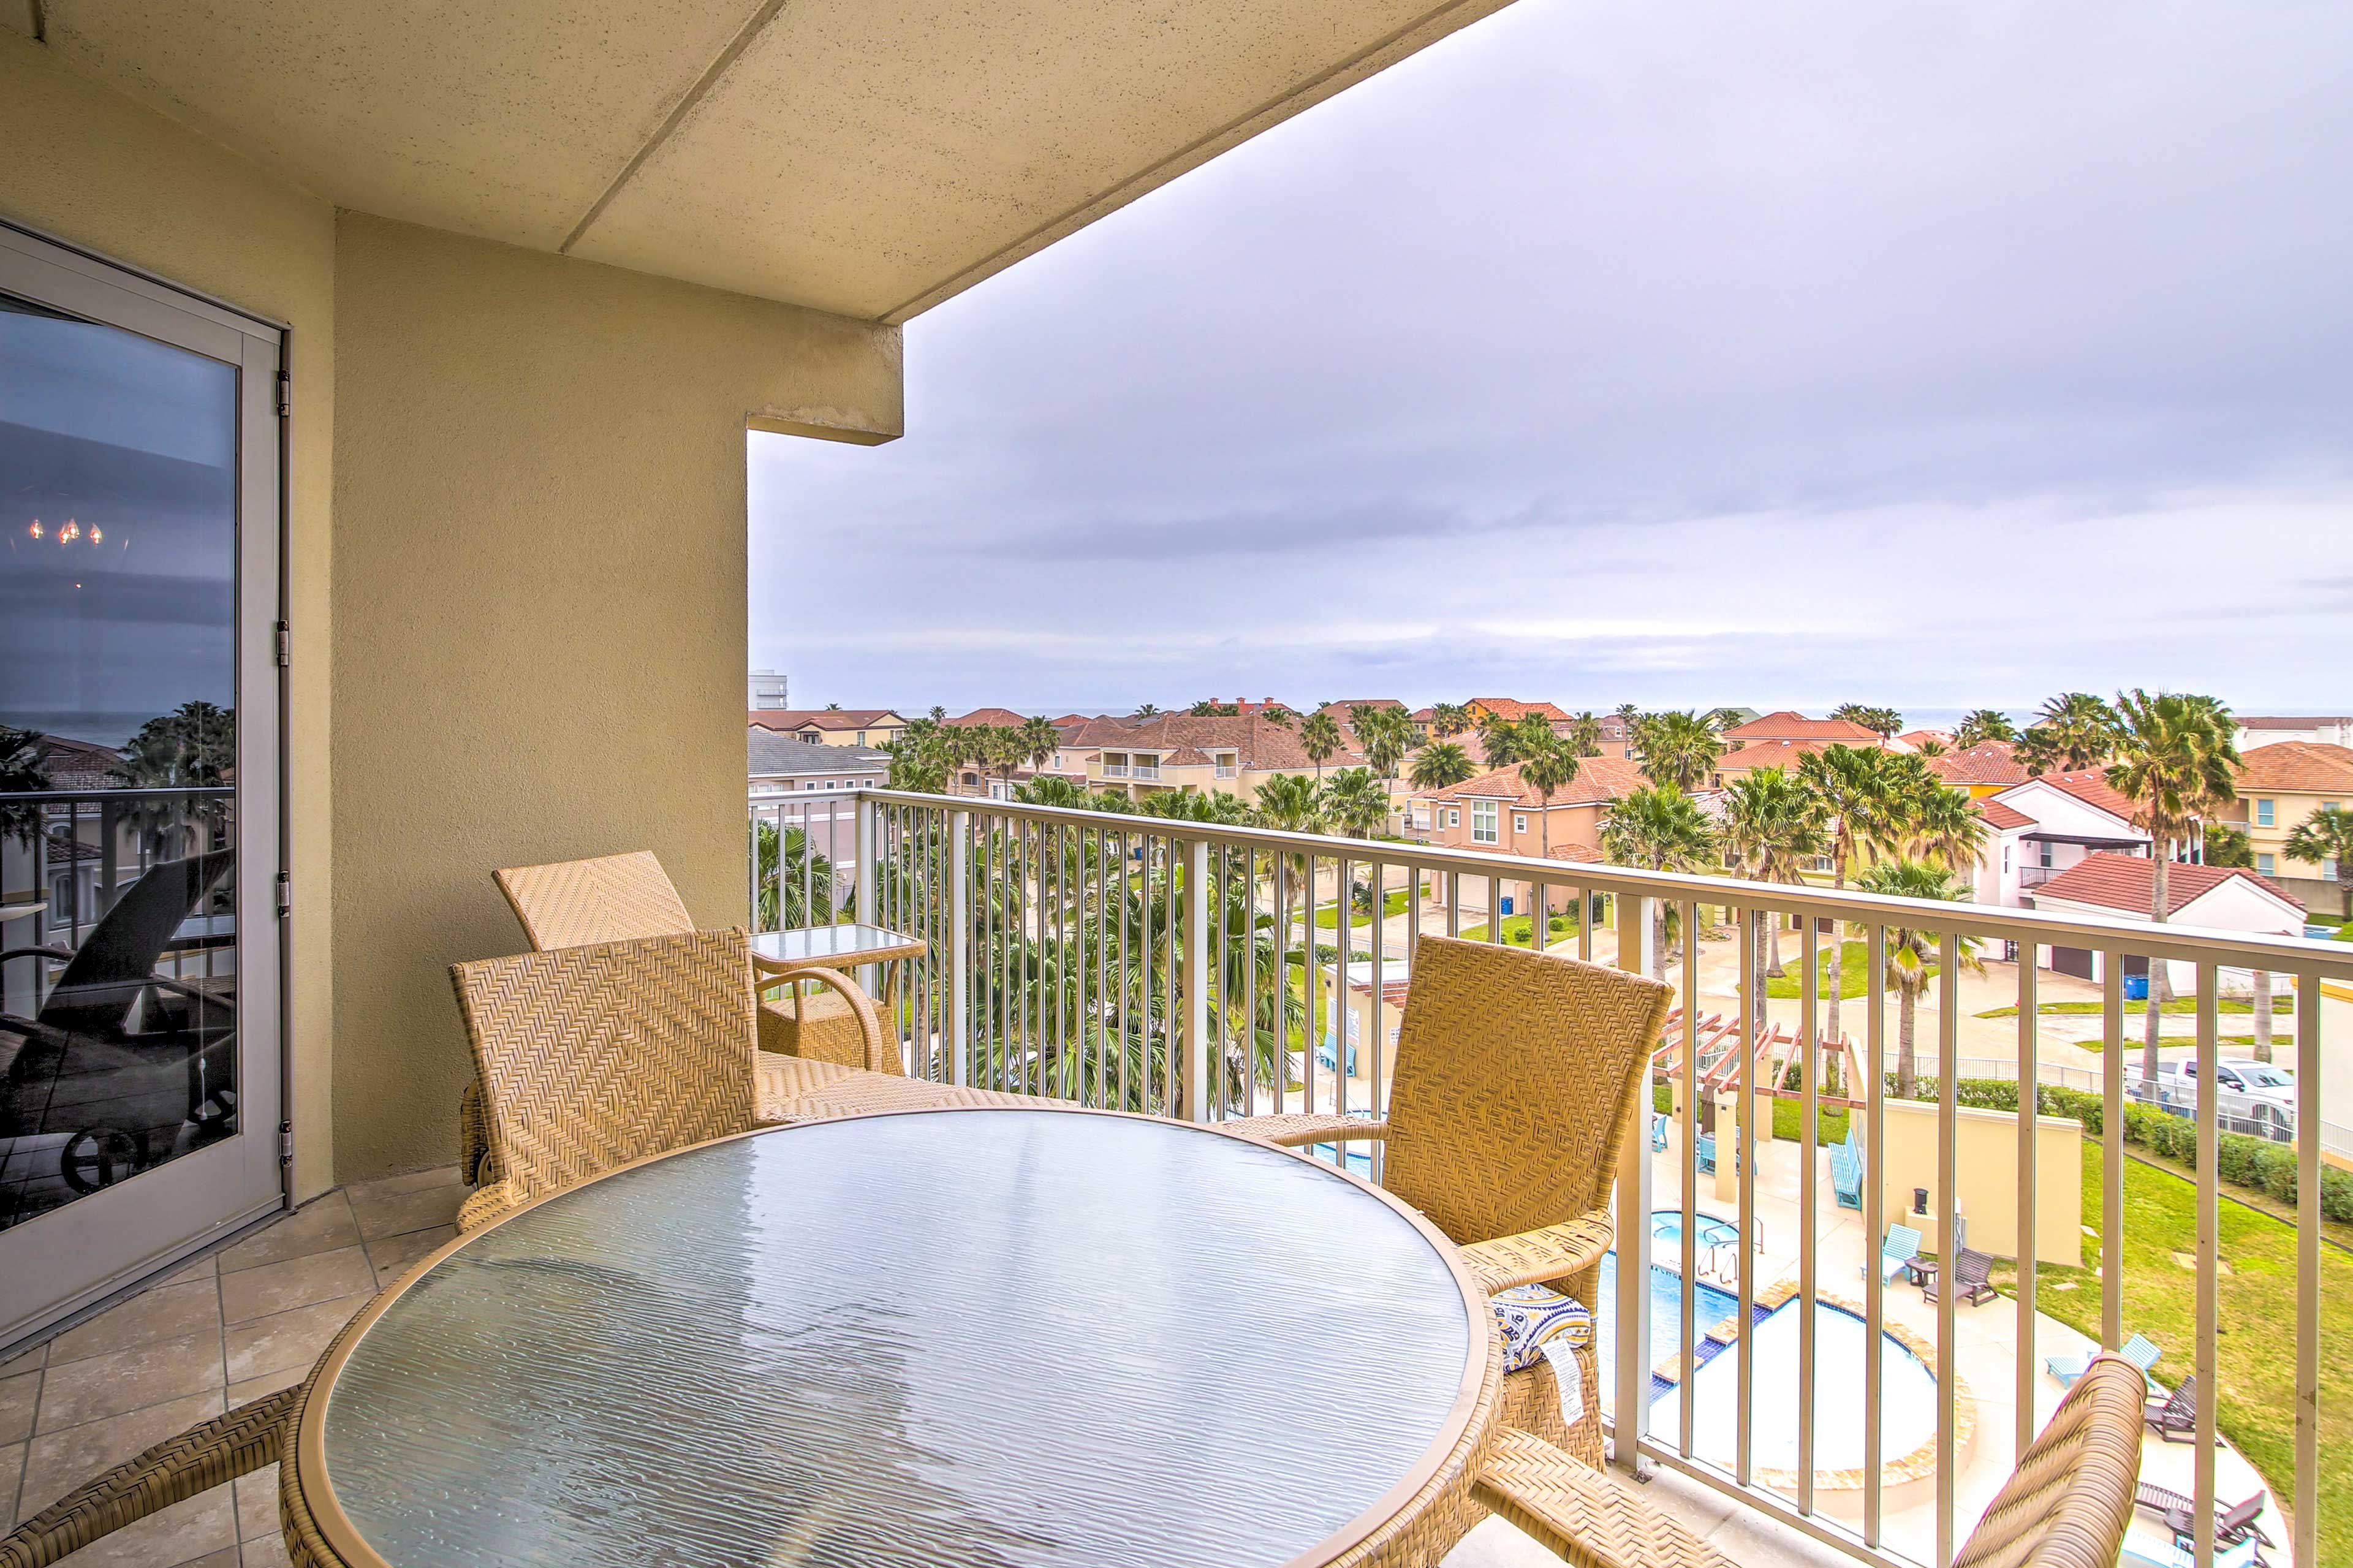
(1308, 978)
(1632, 1311)
(1875, 1222)
(1745, 1183)
(1197, 979)
(1810, 1054)
(2209, 1255)
(1687, 1333)
(2112, 1150)
(2030, 1130)
(959, 998)
(1948, 1159)
(2305, 1544)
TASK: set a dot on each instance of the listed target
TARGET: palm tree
(1932, 748)
(1501, 741)
(192, 747)
(1039, 739)
(1147, 710)
(1385, 734)
(1678, 748)
(1860, 802)
(2176, 762)
(1772, 825)
(1319, 737)
(916, 763)
(1879, 722)
(1055, 790)
(1549, 771)
(1943, 826)
(796, 885)
(1584, 738)
(21, 773)
(2327, 834)
(1441, 765)
(1292, 802)
(1982, 725)
(2072, 732)
(1448, 719)
(1911, 952)
(1661, 827)
(1356, 801)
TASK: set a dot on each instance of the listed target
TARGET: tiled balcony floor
(236, 1324)
(252, 1318)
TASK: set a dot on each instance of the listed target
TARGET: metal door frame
(54, 1266)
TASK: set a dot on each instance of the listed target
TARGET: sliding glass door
(140, 1051)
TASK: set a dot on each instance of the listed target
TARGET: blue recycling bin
(2135, 987)
(1507, 906)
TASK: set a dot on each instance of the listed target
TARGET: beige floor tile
(323, 1224)
(267, 1552)
(256, 1503)
(99, 1386)
(17, 1396)
(393, 1255)
(289, 1339)
(200, 1528)
(247, 1390)
(58, 1461)
(203, 1268)
(223, 1559)
(395, 1214)
(251, 1293)
(164, 1313)
(12, 1470)
(413, 1181)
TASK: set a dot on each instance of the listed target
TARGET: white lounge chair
(2143, 1353)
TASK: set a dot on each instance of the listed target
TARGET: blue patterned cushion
(1530, 1318)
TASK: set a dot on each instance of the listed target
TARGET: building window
(2265, 815)
(2329, 869)
(1519, 822)
(1483, 815)
(2266, 865)
(1453, 817)
(861, 737)
(2043, 851)
(2005, 859)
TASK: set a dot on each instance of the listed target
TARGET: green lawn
(1516, 930)
(1394, 903)
(1855, 969)
(2256, 1346)
(2281, 1007)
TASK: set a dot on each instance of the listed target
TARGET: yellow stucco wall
(1988, 1164)
(540, 645)
(94, 168)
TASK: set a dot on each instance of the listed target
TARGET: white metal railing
(1115, 769)
(1187, 970)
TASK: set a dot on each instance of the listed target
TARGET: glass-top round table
(972, 1337)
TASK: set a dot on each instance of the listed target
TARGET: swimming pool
(1907, 1388)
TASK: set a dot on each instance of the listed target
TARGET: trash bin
(1507, 906)
(2135, 987)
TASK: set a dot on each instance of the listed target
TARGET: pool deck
(1985, 1353)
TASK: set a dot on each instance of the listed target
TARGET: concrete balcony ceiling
(866, 157)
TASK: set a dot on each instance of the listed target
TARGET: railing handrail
(2192, 944)
(76, 796)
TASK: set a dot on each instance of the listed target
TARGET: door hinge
(285, 394)
(285, 644)
(286, 1142)
(285, 894)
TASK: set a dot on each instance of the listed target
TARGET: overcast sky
(1672, 353)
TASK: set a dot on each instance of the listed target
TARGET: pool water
(1907, 1388)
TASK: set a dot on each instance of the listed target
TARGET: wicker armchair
(2066, 1505)
(619, 898)
(1514, 1075)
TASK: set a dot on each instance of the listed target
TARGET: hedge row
(2255, 1163)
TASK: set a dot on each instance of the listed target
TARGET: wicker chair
(619, 898)
(2067, 1504)
(1515, 1072)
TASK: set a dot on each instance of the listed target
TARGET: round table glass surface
(976, 1337)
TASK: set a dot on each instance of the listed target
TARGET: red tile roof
(2090, 787)
(1987, 762)
(2124, 882)
(788, 719)
(2288, 721)
(1259, 746)
(1599, 779)
(1005, 716)
(2297, 765)
(1791, 725)
(2002, 818)
(1918, 738)
(1768, 755)
(1512, 708)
